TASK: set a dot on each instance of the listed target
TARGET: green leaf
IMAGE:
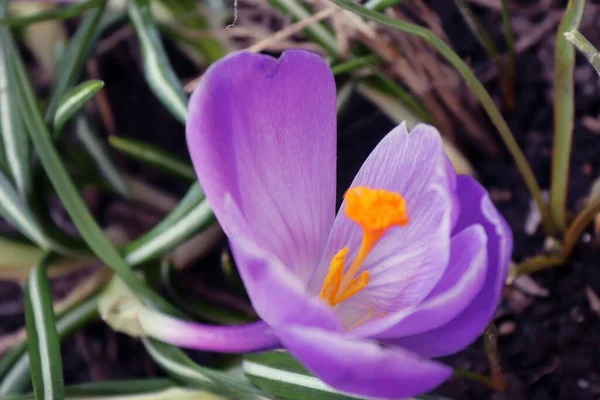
(157, 69)
(564, 112)
(15, 139)
(15, 211)
(281, 375)
(72, 201)
(73, 100)
(61, 13)
(75, 56)
(99, 153)
(198, 219)
(14, 366)
(189, 15)
(195, 306)
(42, 337)
(181, 368)
(317, 32)
(154, 156)
(191, 215)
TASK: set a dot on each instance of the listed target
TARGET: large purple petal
(277, 295)
(264, 130)
(467, 326)
(360, 366)
(462, 281)
(407, 262)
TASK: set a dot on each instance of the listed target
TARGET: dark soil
(549, 346)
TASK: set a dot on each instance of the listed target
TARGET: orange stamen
(375, 210)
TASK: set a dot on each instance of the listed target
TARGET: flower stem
(491, 349)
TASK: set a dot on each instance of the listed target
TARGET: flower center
(375, 210)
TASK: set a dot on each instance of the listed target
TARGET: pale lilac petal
(278, 297)
(192, 335)
(264, 130)
(462, 281)
(467, 326)
(362, 367)
(407, 263)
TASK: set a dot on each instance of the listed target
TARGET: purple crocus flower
(412, 266)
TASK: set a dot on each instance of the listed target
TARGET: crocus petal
(468, 325)
(362, 367)
(264, 130)
(193, 335)
(277, 296)
(407, 262)
(462, 281)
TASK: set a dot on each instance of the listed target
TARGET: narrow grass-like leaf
(153, 156)
(476, 86)
(15, 139)
(72, 201)
(157, 69)
(511, 65)
(75, 57)
(181, 368)
(481, 34)
(42, 337)
(585, 47)
(14, 366)
(317, 32)
(17, 213)
(382, 82)
(354, 64)
(72, 101)
(189, 14)
(99, 153)
(280, 375)
(60, 14)
(192, 198)
(380, 5)
(564, 112)
(199, 218)
(194, 306)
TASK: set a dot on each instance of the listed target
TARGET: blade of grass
(157, 68)
(195, 306)
(511, 66)
(14, 137)
(189, 14)
(42, 337)
(181, 368)
(14, 366)
(198, 219)
(489, 46)
(317, 32)
(99, 153)
(191, 200)
(59, 14)
(73, 100)
(354, 64)
(585, 47)
(153, 156)
(73, 59)
(478, 89)
(72, 201)
(380, 5)
(18, 214)
(564, 112)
